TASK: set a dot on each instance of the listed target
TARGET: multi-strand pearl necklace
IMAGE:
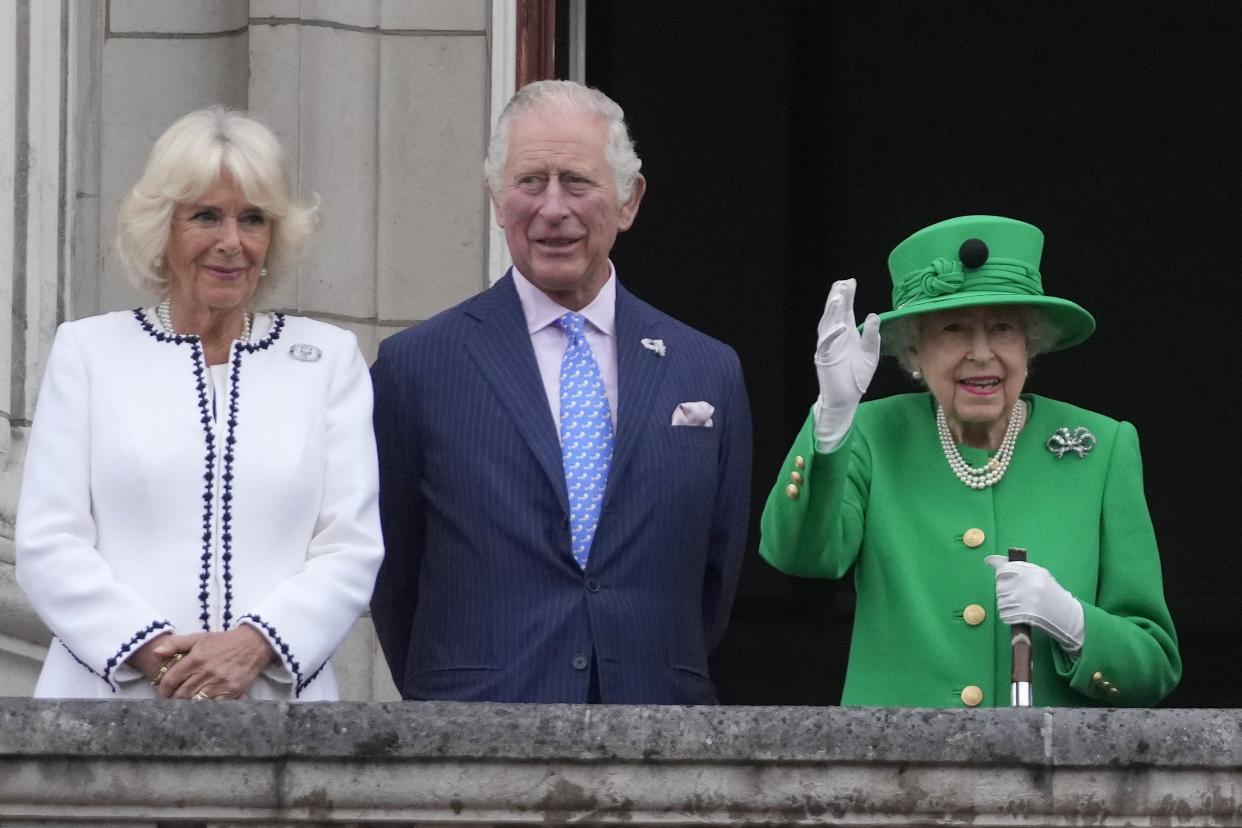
(991, 472)
(164, 312)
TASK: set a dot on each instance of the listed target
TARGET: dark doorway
(788, 144)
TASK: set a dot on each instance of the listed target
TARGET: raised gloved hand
(1026, 593)
(845, 361)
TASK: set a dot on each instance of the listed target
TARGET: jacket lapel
(501, 348)
(640, 374)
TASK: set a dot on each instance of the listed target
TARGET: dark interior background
(788, 144)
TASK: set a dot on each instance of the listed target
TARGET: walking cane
(1020, 641)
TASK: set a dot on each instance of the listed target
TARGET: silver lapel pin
(656, 346)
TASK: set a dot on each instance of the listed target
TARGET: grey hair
(566, 96)
(185, 163)
(903, 335)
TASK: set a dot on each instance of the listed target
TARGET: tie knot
(572, 324)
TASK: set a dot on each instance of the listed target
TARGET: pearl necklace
(164, 312)
(991, 472)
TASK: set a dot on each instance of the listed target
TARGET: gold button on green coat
(886, 506)
(972, 696)
(974, 615)
(974, 538)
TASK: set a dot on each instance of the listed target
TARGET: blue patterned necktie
(586, 435)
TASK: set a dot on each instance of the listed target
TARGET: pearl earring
(916, 373)
(263, 273)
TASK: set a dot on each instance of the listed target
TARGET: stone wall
(384, 107)
(444, 763)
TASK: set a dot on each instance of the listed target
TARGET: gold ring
(200, 695)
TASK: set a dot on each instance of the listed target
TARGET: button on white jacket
(147, 506)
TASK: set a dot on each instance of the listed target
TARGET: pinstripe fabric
(479, 597)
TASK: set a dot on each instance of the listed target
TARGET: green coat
(886, 503)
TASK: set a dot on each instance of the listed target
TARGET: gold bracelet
(155, 682)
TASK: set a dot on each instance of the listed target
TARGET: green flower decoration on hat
(978, 260)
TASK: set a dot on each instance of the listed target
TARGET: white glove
(1026, 593)
(845, 362)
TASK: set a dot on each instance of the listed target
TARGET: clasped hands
(213, 665)
(1026, 593)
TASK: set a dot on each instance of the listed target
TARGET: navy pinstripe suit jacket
(479, 597)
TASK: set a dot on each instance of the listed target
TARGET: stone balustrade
(231, 763)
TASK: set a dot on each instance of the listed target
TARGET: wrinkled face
(217, 245)
(975, 362)
(558, 204)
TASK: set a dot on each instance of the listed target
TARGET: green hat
(979, 260)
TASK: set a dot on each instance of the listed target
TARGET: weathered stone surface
(337, 160)
(163, 17)
(364, 13)
(484, 764)
(432, 201)
(462, 15)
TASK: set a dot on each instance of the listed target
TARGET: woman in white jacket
(198, 510)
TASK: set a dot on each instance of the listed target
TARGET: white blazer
(148, 506)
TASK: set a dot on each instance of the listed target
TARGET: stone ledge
(275, 763)
(1054, 737)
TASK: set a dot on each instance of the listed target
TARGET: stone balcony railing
(241, 763)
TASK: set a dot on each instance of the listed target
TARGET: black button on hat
(973, 253)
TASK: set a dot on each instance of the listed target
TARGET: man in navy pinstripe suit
(564, 469)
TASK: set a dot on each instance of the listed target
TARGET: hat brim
(1072, 322)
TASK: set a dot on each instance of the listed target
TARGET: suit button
(792, 492)
(1097, 677)
(974, 538)
(800, 461)
(974, 615)
(592, 585)
(971, 696)
(580, 662)
(796, 478)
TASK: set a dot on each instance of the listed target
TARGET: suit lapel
(640, 374)
(501, 348)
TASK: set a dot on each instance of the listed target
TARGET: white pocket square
(694, 414)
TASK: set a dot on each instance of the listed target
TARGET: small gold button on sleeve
(796, 477)
(792, 492)
(800, 461)
(974, 538)
(972, 696)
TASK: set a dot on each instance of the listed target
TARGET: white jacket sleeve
(307, 616)
(100, 620)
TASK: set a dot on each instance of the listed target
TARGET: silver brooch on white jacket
(1063, 441)
(305, 353)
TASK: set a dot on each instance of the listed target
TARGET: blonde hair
(185, 163)
(567, 96)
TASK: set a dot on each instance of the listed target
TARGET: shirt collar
(541, 311)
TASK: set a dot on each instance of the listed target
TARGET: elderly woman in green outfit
(924, 493)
